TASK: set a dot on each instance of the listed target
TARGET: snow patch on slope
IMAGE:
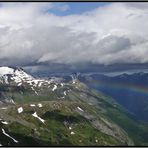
(54, 88)
(36, 116)
(9, 136)
(80, 109)
(4, 122)
(32, 105)
(20, 110)
(6, 70)
(40, 105)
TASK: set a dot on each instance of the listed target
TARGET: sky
(74, 35)
(77, 7)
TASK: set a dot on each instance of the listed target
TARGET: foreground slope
(50, 112)
(58, 123)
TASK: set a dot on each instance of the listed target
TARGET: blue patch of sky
(76, 7)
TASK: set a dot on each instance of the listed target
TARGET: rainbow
(129, 86)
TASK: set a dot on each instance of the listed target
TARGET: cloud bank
(31, 34)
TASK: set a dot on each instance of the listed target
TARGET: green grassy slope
(137, 130)
(103, 121)
(59, 117)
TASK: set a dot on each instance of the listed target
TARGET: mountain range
(63, 111)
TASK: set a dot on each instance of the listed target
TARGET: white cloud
(115, 33)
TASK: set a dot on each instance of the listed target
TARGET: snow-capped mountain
(19, 81)
(18, 77)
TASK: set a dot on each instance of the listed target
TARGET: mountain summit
(17, 75)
